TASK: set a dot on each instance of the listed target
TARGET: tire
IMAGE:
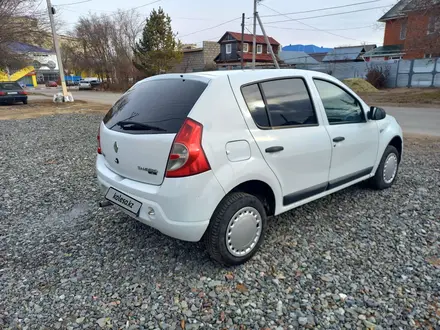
(237, 205)
(378, 181)
(25, 101)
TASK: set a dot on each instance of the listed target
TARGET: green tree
(158, 49)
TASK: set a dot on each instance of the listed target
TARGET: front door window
(340, 107)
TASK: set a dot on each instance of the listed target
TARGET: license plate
(12, 93)
(124, 201)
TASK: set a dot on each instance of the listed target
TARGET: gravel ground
(358, 259)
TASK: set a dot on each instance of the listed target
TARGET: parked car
(212, 155)
(95, 83)
(51, 84)
(84, 85)
(12, 92)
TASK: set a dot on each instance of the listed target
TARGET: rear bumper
(182, 206)
(13, 98)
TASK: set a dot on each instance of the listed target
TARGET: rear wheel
(237, 228)
(386, 173)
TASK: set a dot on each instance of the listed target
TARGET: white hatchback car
(213, 154)
(83, 84)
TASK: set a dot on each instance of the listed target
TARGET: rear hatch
(11, 89)
(137, 133)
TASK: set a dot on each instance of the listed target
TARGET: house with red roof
(231, 52)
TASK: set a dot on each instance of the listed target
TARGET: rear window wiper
(132, 125)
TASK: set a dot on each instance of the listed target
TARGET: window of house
(245, 47)
(228, 48)
(434, 24)
(340, 107)
(289, 103)
(403, 27)
(259, 49)
(427, 56)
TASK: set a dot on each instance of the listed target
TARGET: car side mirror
(376, 113)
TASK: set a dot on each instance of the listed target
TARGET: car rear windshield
(155, 106)
(9, 86)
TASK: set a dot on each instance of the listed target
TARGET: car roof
(245, 75)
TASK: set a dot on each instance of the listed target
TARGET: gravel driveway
(356, 259)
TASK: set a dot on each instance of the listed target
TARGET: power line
(308, 25)
(141, 6)
(322, 9)
(192, 19)
(318, 16)
(344, 29)
(71, 3)
(118, 11)
(210, 28)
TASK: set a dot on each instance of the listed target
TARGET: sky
(199, 20)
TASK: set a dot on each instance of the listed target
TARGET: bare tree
(22, 21)
(104, 45)
(423, 28)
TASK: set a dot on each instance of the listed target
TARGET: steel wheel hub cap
(243, 232)
(390, 168)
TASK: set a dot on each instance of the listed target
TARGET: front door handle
(339, 139)
(274, 149)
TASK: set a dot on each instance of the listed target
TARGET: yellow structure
(26, 71)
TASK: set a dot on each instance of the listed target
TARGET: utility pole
(51, 11)
(254, 42)
(242, 41)
(269, 46)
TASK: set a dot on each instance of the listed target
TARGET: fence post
(433, 72)
(397, 73)
(410, 73)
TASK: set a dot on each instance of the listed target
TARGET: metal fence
(346, 70)
(402, 73)
(418, 73)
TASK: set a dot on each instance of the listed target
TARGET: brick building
(198, 58)
(412, 30)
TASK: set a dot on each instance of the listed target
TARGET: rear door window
(155, 106)
(289, 103)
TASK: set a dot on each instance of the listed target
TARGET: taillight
(99, 140)
(187, 156)
(22, 92)
(2, 93)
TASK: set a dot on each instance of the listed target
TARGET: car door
(290, 136)
(354, 137)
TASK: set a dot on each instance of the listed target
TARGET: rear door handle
(274, 149)
(339, 139)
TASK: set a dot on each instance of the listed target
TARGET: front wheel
(386, 172)
(236, 230)
(25, 101)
